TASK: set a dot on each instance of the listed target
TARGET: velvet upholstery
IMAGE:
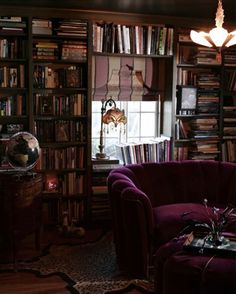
(181, 272)
(148, 202)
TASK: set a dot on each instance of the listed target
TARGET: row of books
(12, 25)
(229, 150)
(206, 79)
(198, 55)
(197, 128)
(74, 51)
(13, 105)
(61, 158)
(70, 184)
(13, 77)
(67, 50)
(199, 150)
(12, 48)
(155, 150)
(119, 38)
(229, 128)
(69, 27)
(230, 81)
(230, 57)
(45, 50)
(59, 105)
(208, 101)
(48, 131)
(41, 26)
(207, 55)
(53, 77)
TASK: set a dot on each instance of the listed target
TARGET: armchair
(148, 201)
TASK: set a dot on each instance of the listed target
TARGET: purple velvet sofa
(149, 202)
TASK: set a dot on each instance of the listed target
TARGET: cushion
(171, 219)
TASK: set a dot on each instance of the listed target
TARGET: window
(142, 125)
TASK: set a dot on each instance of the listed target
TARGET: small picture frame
(187, 99)
(62, 131)
(46, 105)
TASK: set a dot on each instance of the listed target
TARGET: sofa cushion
(171, 219)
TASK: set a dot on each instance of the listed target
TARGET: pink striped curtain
(124, 78)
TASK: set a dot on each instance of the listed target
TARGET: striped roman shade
(124, 78)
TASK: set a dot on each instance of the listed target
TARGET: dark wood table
(20, 209)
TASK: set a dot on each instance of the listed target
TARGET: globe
(22, 151)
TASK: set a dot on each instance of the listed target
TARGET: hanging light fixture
(217, 37)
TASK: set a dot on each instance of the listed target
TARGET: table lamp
(113, 115)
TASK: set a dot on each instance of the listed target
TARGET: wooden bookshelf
(198, 101)
(14, 63)
(60, 109)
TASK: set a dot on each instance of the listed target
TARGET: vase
(215, 239)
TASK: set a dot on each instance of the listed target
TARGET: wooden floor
(29, 283)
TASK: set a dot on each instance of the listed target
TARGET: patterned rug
(88, 268)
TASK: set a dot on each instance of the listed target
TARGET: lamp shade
(114, 115)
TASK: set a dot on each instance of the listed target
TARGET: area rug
(89, 268)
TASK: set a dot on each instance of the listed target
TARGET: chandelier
(217, 37)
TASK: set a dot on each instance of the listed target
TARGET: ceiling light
(217, 37)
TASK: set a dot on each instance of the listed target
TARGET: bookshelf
(60, 114)
(198, 101)
(14, 111)
(137, 59)
(229, 106)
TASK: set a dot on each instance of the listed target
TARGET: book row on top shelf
(13, 25)
(133, 39)
(60, 27)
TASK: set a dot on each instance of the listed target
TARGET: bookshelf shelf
(56, 196)
(197, 115)
(197, 66)
(131, 55)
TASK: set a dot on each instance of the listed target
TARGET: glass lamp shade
(232, 41)
(218, 36)
(114, 115)
(200, 38)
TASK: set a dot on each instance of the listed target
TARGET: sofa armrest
(138, 230)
